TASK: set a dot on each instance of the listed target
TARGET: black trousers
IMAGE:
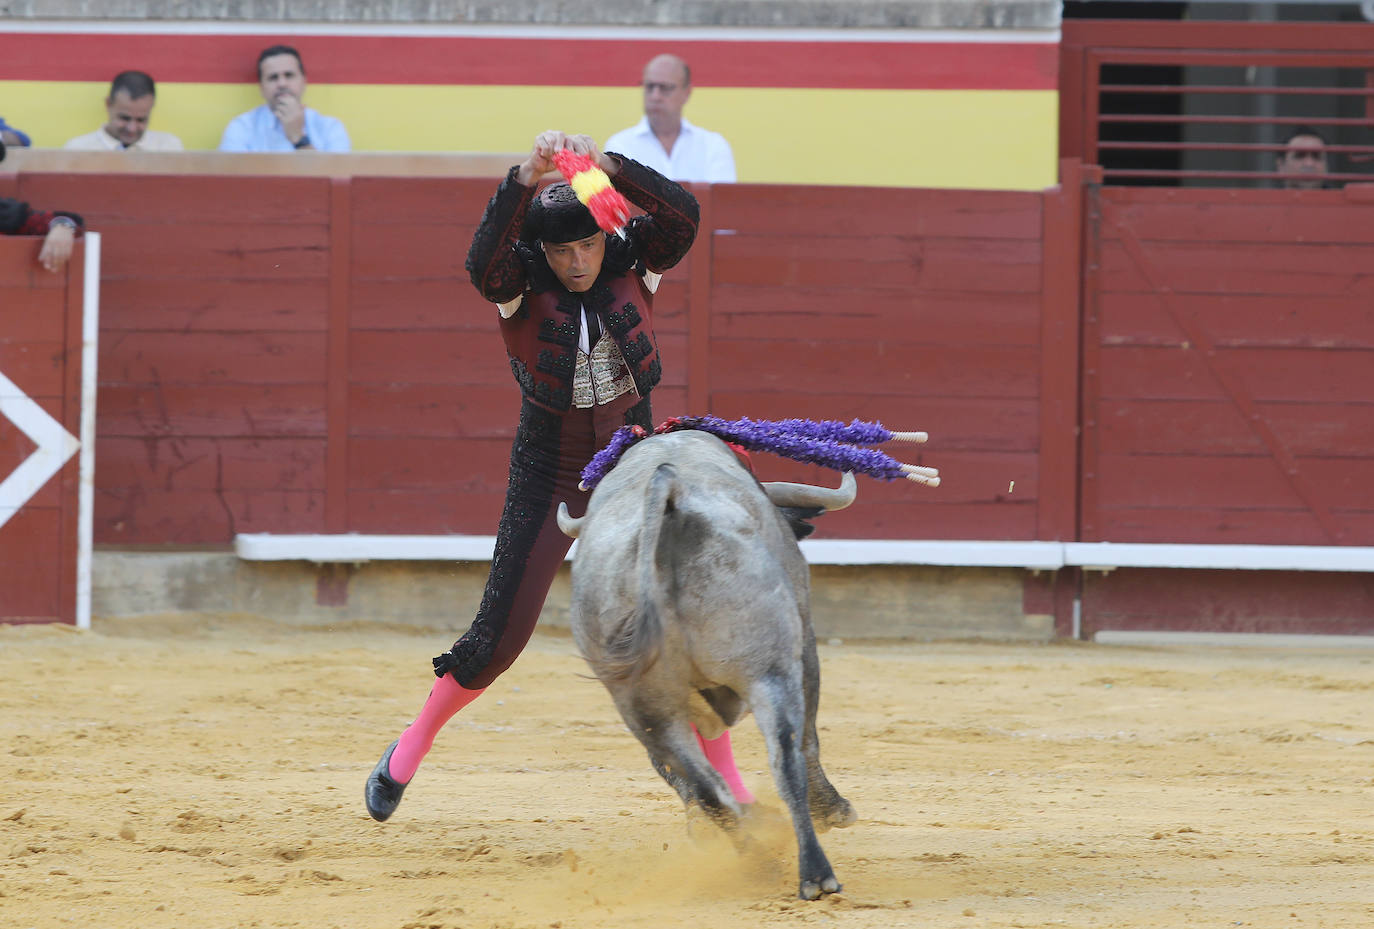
(546, 462)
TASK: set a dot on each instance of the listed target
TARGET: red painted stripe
(536, 61)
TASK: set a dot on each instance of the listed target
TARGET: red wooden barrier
(40, 394)
(1230, 368)
(301, 355)
(917, 308)
(306, 355)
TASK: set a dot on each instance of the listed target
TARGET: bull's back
(724, 565)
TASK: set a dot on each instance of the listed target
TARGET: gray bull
(691, 603)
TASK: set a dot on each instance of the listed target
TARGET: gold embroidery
(601, 376)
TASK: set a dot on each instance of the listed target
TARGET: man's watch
(303, 141)
(57, 221)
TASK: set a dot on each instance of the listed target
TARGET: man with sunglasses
(666, 142)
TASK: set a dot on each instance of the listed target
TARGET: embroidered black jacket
(541, 336)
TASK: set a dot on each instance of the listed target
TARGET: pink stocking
(722, 758)
(445, 699)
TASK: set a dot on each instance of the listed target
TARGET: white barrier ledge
(359, 548)
(1232, 639)
(1033, 556)
(1108, 555)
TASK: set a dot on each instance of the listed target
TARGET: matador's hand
(540, 160)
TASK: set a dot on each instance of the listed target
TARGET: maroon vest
(542, 335)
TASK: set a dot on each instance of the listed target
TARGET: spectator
(58, 228)
(12, 136)
(666, 142)
(1303, 161)
(283, 122)
(129, 107)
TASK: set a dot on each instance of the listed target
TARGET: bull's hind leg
(829, 810)
(780, 711)
(676, 756)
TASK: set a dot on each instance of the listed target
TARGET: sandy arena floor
(207, 774)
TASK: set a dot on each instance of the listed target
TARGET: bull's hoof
(382, 793)
(812, 890)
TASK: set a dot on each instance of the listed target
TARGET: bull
(691, 604)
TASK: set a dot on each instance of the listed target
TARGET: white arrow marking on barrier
(55, 446)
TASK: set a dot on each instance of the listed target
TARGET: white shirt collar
(643, 128)
(111, 142)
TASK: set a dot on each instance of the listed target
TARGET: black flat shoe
(382, 793)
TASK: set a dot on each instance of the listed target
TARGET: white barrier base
(1232, 639)
(1033, 556)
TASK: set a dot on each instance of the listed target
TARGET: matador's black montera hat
(556, 215)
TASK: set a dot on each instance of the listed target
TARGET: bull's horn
(785, 494)
(570, 526)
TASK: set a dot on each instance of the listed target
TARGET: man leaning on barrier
(59, 228)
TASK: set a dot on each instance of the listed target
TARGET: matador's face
(576, 264)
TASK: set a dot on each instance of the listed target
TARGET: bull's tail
(634, 644)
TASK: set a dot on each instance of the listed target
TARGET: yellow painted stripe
(991, 139)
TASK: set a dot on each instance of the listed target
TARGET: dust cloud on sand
(206, 772)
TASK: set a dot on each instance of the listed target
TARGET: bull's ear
(797, 517)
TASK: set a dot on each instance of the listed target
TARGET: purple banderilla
(828, 443)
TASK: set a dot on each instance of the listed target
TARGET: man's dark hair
(1305, 130)
(134, 83)
(274, 50)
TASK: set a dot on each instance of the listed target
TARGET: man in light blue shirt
(283, 123)
(666, 142)
(9, 135)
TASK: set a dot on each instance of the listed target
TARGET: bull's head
(785, 496)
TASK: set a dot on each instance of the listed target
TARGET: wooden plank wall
(301, 354)
(918, 308)
(40, 352)
(294, 354)
(1229, 373)
(210, 407)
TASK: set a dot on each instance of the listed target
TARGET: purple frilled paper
(828, 443)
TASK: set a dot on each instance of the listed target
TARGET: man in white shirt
(666, 142)
(129, 107)
(283, 123)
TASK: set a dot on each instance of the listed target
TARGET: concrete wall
(880, 602)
